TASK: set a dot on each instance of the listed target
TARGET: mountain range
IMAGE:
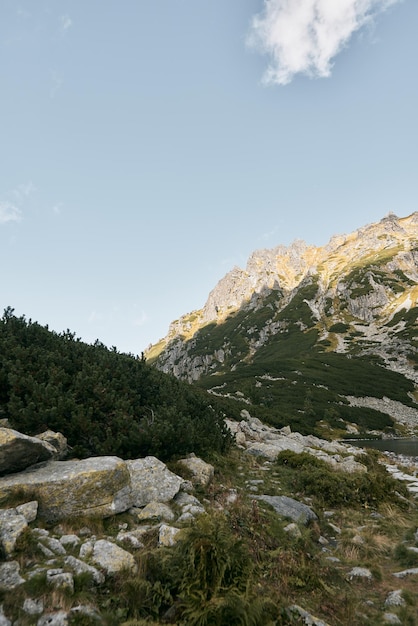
(322, 338)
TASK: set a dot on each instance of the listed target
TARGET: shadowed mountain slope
(318, 337)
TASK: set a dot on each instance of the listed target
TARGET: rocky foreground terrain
(69, 528)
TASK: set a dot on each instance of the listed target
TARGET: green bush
(295, 460)
(214, 578)
(315, 477)
(206, 579)
(339, 327)
(405, 557)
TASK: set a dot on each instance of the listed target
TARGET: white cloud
(95, 317)
(9, 208)
(56, 84)
(304, 36)
(9, 213)
(141, 319)
(268, 235)
(21, 192)
(66, 22)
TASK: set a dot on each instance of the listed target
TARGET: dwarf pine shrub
(315, 477)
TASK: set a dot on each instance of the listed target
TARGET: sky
(149, 146)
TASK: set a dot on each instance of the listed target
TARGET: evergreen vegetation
(290, 380)
(103, 401)
(316, 478)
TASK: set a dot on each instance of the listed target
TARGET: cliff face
(356, 297)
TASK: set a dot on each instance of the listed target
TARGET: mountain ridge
(355, 297)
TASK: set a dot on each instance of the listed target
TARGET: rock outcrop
(18, 451)
(98, 486)
(261, 440)
(151, 481)
(95, 487)
(201, 472)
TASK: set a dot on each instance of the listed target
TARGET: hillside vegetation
(103, 401)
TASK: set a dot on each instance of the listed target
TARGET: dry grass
(349, 552)
(58, 600)
(394, 517)
(381, 543)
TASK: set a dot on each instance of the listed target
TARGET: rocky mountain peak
(391, 244)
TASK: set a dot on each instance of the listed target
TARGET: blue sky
(149, 146)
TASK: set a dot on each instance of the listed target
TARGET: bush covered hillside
(103, 401)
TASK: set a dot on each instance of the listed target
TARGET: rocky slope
(351, 305)
(60, 569)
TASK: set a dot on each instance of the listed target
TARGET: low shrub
(405, 556)
(339, 327)
(295, 460)
(336, 488)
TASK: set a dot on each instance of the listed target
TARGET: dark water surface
(407, 447)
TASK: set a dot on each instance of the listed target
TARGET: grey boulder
(288, 507)
(111, 558)
(10, 577)
(152, 481)
(12, 525)
(18, 451)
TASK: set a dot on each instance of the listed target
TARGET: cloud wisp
(141, 319)
(66, 22)
(9, 207)
(9, 213)
(56, 84)
(304, 36)
(22, 192)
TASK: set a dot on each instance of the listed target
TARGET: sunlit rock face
(366, 280)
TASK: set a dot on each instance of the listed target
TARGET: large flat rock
(98, 486)
(272, 449)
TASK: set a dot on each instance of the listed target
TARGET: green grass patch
(315, 478)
